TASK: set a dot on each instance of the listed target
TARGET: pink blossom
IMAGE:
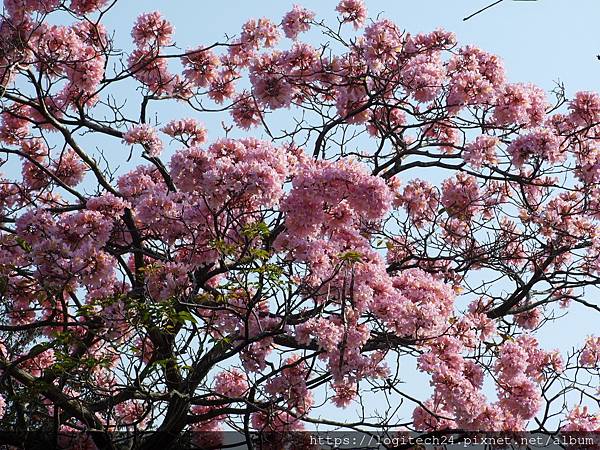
(382, 44)
(108, 204)
(352, 11)
(302, 60)
(521, 397)
(248, 171)
(17, 9)
(82, 7)
(422, 307)
(14, 125)
(529, 319)
(585, 108)
(291, 384)
(245, 111)
(273, 91)
(146, 136)
(426, 42)
(151, 29)
(540, 143)
(221, 88)
(350, 103)
(443, 134)
(521, 104)
(2, 406)
(150, 70)
(590, 355)
(296, 21)
(481, 151)
(345, 392)
(189, 130)
(69, 168)
(580, 419)
(423, 75)
(461, 196)
(324, 188)
(475, 77)
(257, 33)
(421, 201)
(231, 383)
(200, 66)
(588, 164)
(432, 416)
(327, 333)
(386, 119)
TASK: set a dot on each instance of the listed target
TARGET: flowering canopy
(227, 282)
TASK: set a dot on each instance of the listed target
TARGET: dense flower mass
(369, 204)
(146, 136)
(297, 21)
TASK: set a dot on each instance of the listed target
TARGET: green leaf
(185, 316)
(351, 256)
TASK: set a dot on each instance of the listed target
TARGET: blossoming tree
(243, 278)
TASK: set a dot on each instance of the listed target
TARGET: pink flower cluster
(231, 383)
(151, 29)
(461, 196)
(590, 355)
(14, 125)
(422, 308)
(352, 11)
(588, 164)
(270, 86)
(69, 51)
(580, 419)
(70, 250)
(245, 111)
(146, 136)
(296, 21)
(585, 108)
(540, 143)
(248, 170)
(458, 402)
(517, 391)
(382, 44)
(39, 171)
(18, 9)
(475, 77)
(340, 196)
(421, 201)
(291, 384)
(83, 7)
(189, 131)
(481, 151)
(200, 66)
(520, 104)
(424, 75)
